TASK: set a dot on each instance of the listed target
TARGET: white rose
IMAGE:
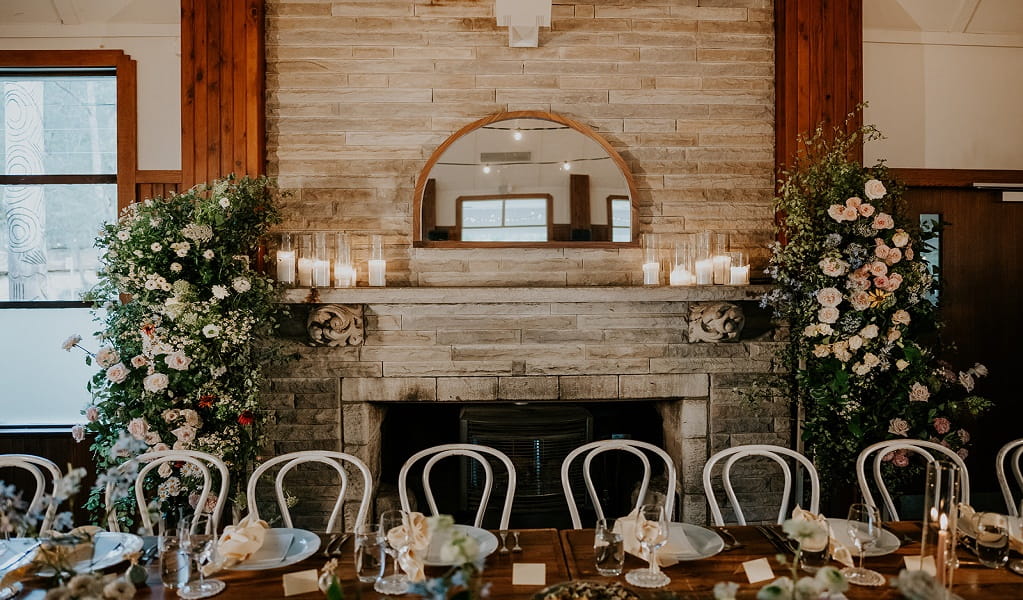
(220, 292)
(106, 357)
(241, 285)
(829, 297)
(900, 238)
(900, 317)
(71, 342)
(170, 415)
(138, 428)
(160, 447)
(874, 189)
(157, 382)
(871, 360)
(117, 373)
(828, 314)
(165, 470)
(901, 364)
(860, 369)
(177, 361)
(898, 427)
(870, 331)
(191, 418)
(821, 350)
(211, 330)
(185, 434)
(919, 393)
(855, 342)
(78, 433)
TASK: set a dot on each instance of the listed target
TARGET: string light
(486, 169)
(566, 166)
(517, 135)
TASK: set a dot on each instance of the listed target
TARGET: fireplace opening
(536, 437)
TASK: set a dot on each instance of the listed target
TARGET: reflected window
(620, 210)
(504, 218)
(931, 254)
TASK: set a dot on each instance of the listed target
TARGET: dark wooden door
(981, 302)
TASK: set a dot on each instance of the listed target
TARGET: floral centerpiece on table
(182, 364)
(863, 352)
(463, 581)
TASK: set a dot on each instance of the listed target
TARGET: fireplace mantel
(460, 295)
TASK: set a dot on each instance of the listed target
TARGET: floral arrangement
(852, 283)
(827, 583)
(182, 362)
(463, 580)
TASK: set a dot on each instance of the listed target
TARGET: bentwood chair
(1014, 447)
(198, 462)
(880, 450)
(635, 447)
(36, 466)
(336, 461)
(779, 455)
(473, 451)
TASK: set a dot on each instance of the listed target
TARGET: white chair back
(35, 465)
(334, 460)
(634, 447)
(474, 451)
(921, 447)
(152, 460)
(776, 453)
(1014, 447)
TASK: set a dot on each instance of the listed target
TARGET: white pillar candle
(704, 272)
(739, 275)
(305, 272)
(680, 276)
(344, 275)
(722, 263)
(378, 273)
(286, 266)
(651, 273)
(321, 273)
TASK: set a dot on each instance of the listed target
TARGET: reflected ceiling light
(566, 166)
(517, 135)
(523, 18)
(486, 168)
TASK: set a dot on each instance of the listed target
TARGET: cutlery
(340, 544)
(287, 552)
(504, 541)
(729, 539)
(516, 547)
(776, 540)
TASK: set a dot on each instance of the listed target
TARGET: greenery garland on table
(182, 364)
(863, 352)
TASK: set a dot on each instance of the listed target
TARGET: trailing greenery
(862, 354)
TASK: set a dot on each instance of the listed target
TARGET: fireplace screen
(536, 439)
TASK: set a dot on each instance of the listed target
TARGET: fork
(730, 542)
(516, 547)
(504, 541)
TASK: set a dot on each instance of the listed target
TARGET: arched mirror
(525, 178)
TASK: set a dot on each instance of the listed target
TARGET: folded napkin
(677, 545)
(836, 549)
(412, 539)
(966, 524)
(238, 543)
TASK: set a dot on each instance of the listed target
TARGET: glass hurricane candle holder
(682, 270)
(377, 264)
(321, 261)
(344, 269)
(941, 510)
(651, 260)
(703, 265)
(306, 257)
(286, 261)
(738, 269)
(720, 259)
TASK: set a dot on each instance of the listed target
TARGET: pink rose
(866, 210)
(888, 457)
(828, 314)
(850, 214)
(894, 281)
(900, 460)
(177, 361)
(185, 434)
(964, 436)
(894, 256)
(829, 296)
(78, 433)
(881, 251)
(877, 268)
(883, 221)
(160, 447)
(854, 202)
(881, 282)
(963, 453)
(901, 317)
(117, 373)
(942, 425)
(908, 253)
(91, 414)
(874, 189)
(860, 300)
(836, 212)
(139, 361)
(157, 382)
(107, 357)
(138, 428)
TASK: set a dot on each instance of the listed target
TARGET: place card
(917, 563)
(301, 582)
(758, 570)
(529, 574)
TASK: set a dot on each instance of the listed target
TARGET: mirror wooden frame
(424, 176)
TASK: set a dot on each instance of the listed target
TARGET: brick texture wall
(360, 93)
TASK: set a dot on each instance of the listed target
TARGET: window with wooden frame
(505, 217)
(619, 218)
(67, 166)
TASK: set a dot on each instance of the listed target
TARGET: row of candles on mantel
(699, 259)
(306, 261)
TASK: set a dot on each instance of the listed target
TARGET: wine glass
(864, 528)
(392, 527)
(202, 549)
(651, 531)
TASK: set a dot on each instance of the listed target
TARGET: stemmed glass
(864, 527)
(392, 527)
(1016, 531)
(651, 532)
(202, 549)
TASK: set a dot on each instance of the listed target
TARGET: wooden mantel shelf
(494, 295)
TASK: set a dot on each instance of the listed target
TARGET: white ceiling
(86, 12)
(1001, 17)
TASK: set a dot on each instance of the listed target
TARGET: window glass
(481, 213)
(621, 220)
(58, 124)
(506, 234)
(528, 211)
(504, 220)
(42, 384)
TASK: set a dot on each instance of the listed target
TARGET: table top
(538, 546)
(696, 579)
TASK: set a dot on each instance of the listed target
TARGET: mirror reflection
(525, 178)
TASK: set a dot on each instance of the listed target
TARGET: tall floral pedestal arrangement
(186, 318)
(863, 352)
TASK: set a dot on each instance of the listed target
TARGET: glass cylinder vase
(702, 261)
(344, 269)
(651, 260)
(286, 260)
(941, 511)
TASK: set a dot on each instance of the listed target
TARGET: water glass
(608, 549)
(811, 559)
(992, 539)
(370, 549)
(175, 561)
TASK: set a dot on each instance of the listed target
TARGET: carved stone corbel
(715, 322)
(336, 325)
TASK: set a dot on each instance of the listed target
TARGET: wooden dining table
(696, 579)
(568, 555)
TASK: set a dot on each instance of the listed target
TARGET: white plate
(486, 540)
(886, 545)
(705, 542)
(303, 545)
(109, 549)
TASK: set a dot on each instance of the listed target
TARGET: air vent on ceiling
(505, 157)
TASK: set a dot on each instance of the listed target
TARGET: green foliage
(851, 282)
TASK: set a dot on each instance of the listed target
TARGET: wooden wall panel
(818, 68)
(222, 85)
(156, 184)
